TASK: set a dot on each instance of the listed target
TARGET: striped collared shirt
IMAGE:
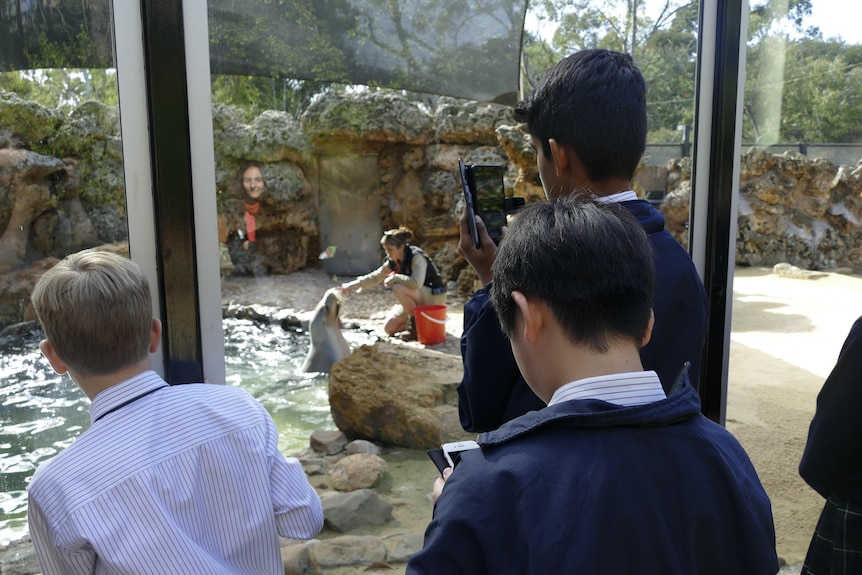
(626, 389)
(171, 479)
(627, 196)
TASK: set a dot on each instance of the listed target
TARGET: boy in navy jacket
(614, 475)
(587, 121)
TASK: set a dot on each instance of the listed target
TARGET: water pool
(41, 413)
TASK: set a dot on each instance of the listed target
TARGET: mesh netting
(463, 48)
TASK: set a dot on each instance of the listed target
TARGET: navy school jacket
(493, 391)
(588, 487)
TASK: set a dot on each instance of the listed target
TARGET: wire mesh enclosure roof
(463, 48)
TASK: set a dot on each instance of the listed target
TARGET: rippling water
(41, 413)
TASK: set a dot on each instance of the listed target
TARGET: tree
(823, 80)
(799, 87)
(662, 41)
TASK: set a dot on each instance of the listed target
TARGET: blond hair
(95, 309)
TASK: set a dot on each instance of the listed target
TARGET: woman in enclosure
(243, 224)
(410, 274)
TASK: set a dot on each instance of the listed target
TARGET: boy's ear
(648, 332)
(531, 315)
(155, 335)
(559, 156)
(57, 364)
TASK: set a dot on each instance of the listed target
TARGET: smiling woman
(242, 222)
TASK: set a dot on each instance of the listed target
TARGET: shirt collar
(627, 196)
(124, 391)
(627, 389)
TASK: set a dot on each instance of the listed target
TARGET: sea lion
(328, 345)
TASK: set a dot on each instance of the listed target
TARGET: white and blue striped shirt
(171, 479)
(626, 389)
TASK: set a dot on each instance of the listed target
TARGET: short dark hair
(590, 262)
(594, 101)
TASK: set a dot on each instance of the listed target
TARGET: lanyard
(127, 402)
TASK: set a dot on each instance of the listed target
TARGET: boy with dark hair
(167, 479)
(613, 476)
(587, 121)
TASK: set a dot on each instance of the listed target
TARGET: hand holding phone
(449, 454)
(469, 203)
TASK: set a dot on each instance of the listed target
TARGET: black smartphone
(488, 198)
(469, 202)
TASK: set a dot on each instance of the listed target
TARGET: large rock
(466, 122)
(91, 129)
(344, 512)
(271, 137)
(397, 395)
(370, 117)
(30, 123)
(27, 190)
(358, 471)
(348, 550)
(787, 212)
(791, 208)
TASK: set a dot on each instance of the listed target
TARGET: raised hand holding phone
(469, 203)
(480, 259)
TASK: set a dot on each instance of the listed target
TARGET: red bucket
(430, 323)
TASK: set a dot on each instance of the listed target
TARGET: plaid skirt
(836, 547)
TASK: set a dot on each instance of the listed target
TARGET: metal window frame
(715, 182)
(170, 176)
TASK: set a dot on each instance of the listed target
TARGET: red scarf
(250, 229)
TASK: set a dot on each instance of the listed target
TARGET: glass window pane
(796, 283)
(61, 190)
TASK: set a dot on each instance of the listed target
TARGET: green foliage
(663, 45)
(798, 87)
(280, 54)
(278, 39)
(63, 88)
(768, 17)
(77, 51)
(537, 56)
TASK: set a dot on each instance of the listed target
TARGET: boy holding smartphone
(614, 475)
(587, 121)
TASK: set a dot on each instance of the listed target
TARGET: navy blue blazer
(585, 486)
(493, 391)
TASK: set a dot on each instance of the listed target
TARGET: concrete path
(785, 337)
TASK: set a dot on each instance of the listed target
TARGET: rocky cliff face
(62, 189)
(791, 209)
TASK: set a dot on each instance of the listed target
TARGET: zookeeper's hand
(349, 286)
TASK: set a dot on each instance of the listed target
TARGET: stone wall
(791, 209)
(62, 189)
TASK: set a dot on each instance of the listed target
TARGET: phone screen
(490, 194)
